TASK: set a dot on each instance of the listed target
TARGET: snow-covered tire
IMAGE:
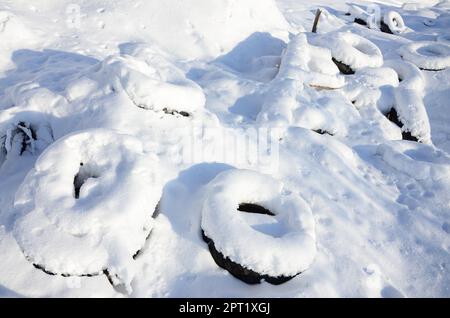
(352, 52)
(246, 253)
(150, 80)
(427, 55)
(393, 23)
(309, 64)
(109, 222)
(409, 75)
(409, 111)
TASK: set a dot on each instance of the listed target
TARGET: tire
(427, 55)
(244, 252)
(73, 220)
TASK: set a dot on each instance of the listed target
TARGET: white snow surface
(111, 86)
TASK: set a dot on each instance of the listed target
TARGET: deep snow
(193, 89)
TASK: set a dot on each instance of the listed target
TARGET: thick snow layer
(311, 64)
(286, 253)
(74, 218)
(380, 204)
(352, 49)
(427, 55)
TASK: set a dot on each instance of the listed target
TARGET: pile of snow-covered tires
(88, 205)
(87, 208)
(355, 66)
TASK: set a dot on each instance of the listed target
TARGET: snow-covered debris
(394, 21)
(371, 86)
(150, 80)
(351, 50)
(286, 253)
(23, 132)
(361, 16)
(427, 55)
(309, 64)
(409, 103)
(408, 74)
(87, 205)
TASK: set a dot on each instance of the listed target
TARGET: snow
(275, 254)
(163, 102)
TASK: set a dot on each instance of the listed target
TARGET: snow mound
(150, 80)
(288, 254)
(287, 103)
(415, 160)
(73, 216)
(351, 49)
(427, 55)
(311, 64)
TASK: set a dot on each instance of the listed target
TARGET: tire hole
(176, 112)
(360, 21)
(86, 172)
(254, 208)
(343, 68)
(385, 28)
(323, 132)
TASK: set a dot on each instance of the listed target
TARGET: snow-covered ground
(121, 123)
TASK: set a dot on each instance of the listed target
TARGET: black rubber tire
(393, 117)
(343, 68)
(385, 28)
(239, 271)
